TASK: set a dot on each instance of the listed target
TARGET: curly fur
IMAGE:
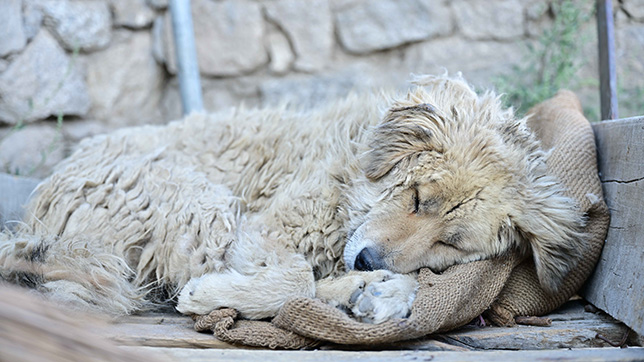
(264, 201)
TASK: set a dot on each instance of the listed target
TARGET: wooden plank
(586, 355)
(568, 334)
(159, 330)
(617, 285)
(607, 67)
(14, 193)
(171, 330)
(424, 344)
(571, 327)
(156, 318)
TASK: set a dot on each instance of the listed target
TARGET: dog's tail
(74, 273)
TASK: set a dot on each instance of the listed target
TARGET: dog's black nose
(368, 260)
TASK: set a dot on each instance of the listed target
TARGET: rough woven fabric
(506, 287)
(252, 333)
(443, 302)
(560, 125)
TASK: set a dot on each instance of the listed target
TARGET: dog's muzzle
(360, 253)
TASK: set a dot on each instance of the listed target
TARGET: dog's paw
(386, 296)
(196, 297)
(371, 297)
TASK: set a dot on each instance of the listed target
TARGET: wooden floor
(573, 335)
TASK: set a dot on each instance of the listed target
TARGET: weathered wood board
(571, 327)
(617, 285)
(210, 355)
(160, 330)
(14, 193)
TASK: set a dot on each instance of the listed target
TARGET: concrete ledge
(14, 194)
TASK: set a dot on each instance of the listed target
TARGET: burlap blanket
(503, 288)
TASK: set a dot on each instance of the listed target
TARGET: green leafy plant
(552, 62)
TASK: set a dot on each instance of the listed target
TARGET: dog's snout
(368, 260)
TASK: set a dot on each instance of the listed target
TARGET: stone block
(537, 18)
(310, 91)
(494, 19)
(158, 4)
(218, 95)
(309, 27)
(132, 13)
(77, 130)
(84, 25)
(31, 18)
(279, 50)
(171, 101)
(12, 35)
(40, 82)
(124, 81)
(229, 36)
(158, 38)
(32, 151)
(373, 25)
(15, 195)
(480, 61)
(634, 9)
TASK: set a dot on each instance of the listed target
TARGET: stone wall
(74, 68)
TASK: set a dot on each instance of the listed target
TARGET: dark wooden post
(607, 68)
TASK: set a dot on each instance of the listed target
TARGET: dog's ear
(552, 225)
(405, 131)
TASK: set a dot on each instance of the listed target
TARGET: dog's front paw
(372, 297)
(385, 296)
(196, 297)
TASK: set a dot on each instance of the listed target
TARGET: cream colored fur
(250, 208)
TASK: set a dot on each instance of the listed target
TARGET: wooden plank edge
(586, 354)
(564, 334)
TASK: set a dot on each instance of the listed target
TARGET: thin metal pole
(607, 67)
(184, 44)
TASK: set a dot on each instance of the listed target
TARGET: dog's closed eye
(454, 208)
(465, 201)
(454, 239)
(416, 199)
(443, 243)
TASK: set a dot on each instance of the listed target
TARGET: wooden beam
(160, 330)
(617, 285)
(607, 66)
(571, 327)
(585, 355)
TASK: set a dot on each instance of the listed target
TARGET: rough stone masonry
(74, 68)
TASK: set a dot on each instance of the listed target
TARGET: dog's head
(452, 177)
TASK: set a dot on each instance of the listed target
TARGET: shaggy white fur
(249, 208)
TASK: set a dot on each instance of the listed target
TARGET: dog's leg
(73, 272)
(262, 276)
(373, 296)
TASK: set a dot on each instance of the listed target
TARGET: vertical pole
(184, 44)
(607, 67)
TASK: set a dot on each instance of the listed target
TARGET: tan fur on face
(460, 179)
